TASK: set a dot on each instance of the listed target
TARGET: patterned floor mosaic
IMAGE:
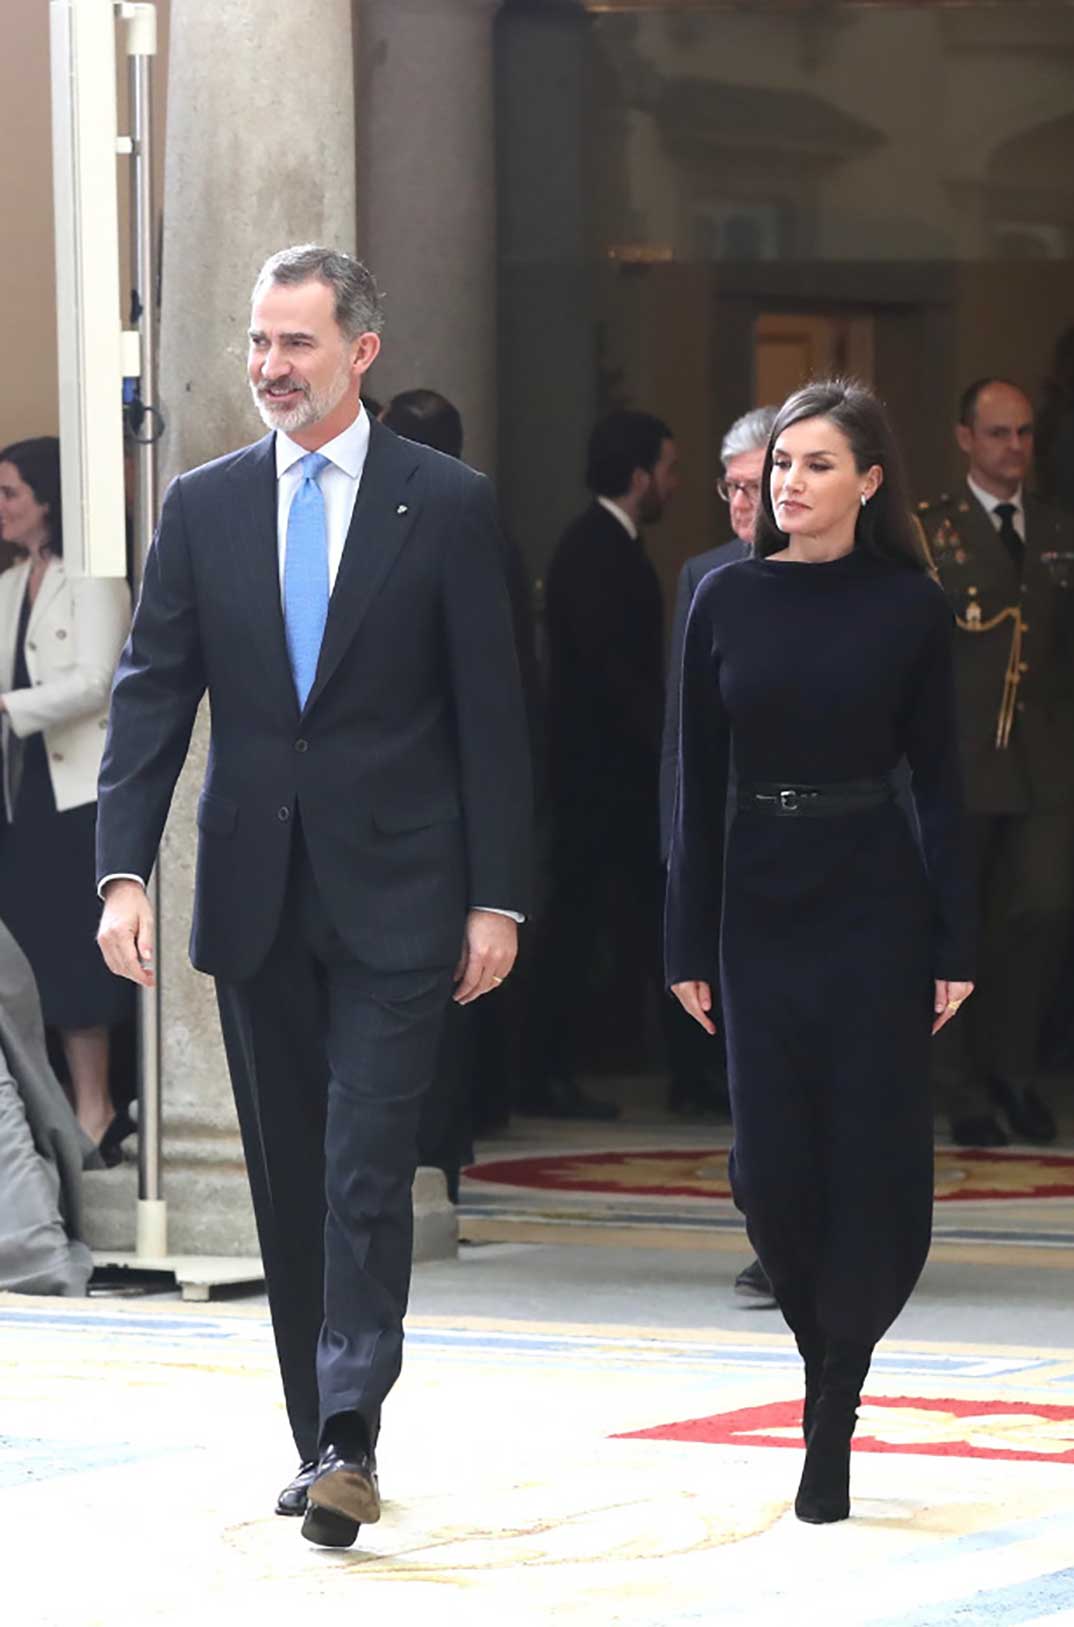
(962, 1175)
(532, 1473)
(636, 1185)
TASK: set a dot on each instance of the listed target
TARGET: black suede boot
(824, 1492)
(811, 1348)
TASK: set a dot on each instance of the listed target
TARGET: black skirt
(48, 893)
(49, 903)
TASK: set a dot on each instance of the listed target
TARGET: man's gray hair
(359, 308)
(750, 433)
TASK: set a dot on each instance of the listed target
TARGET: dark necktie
(1008, 536)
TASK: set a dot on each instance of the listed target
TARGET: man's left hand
(487, 955)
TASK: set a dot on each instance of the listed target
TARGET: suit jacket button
(284, 815)
(57, 756)
(302, 745)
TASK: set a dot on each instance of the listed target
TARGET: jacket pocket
(415, 813)
(217, 815)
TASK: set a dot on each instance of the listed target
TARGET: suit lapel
(384, 513)
(258, 562)
(51, 583)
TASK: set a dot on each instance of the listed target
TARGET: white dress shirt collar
(990, 503)
(347, 450)
(621, 515)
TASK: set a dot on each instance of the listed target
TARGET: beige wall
(28, 404)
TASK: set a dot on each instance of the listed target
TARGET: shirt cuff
(119, 875)
(512, 915)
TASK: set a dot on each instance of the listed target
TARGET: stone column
(427, 201)
(547, 347)
(260, 152)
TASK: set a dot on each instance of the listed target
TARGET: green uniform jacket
(1035, 771)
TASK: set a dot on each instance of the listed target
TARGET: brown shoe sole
(344, 1492)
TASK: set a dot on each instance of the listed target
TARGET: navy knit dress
(828, 931)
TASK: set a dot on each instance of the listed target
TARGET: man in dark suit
(701, 1075)
(604, 629)
(339, 594)
(1005, 561)
(469, 1091)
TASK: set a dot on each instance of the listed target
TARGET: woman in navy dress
(815, 667)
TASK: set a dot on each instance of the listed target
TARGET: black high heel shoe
(110, 1145)
(824, 1491)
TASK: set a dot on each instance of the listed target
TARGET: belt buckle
(788, 802)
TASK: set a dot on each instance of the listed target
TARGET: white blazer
(76, 632)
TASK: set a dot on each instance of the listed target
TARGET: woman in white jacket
(60, 639)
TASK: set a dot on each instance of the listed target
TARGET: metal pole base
(151, 1237)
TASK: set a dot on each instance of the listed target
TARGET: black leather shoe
(292, 1499)
(346, 1484)
(327, 1529)
(1029, 1117)
(564, 1099)
(752, 1283)
(982, 1131)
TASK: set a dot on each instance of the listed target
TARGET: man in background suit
(339, 594)
(1005, 562)
(470, 1088)
(604, 628)
(702, 1068)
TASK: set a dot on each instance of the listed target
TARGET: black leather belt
(794, 801)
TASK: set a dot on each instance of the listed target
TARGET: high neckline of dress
(851, 561)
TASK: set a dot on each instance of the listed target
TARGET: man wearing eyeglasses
(742, 455)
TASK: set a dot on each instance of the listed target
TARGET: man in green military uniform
(1006, 562)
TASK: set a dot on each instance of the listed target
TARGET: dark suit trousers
(330, 1059)
(598, 852)
(1025, 873)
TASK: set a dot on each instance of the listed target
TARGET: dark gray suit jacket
(408, 764)
(690, 578)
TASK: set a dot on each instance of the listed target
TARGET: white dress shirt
(621, 515)
(339, 484)
(990, 504)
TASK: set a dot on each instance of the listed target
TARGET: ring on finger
(496, 979)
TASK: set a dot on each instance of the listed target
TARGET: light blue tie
(305, 576)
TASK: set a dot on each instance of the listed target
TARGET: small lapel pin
(401, 509)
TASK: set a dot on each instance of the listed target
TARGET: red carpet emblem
(962, 1175)
(1021, 1431)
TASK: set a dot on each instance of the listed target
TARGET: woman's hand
(696, 1000)
(949, 996)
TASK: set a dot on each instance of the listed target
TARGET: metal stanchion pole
(144, 419)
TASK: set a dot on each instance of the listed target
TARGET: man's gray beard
(309, 411)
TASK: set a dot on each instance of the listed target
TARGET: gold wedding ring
(953, 1005)
(496, 979)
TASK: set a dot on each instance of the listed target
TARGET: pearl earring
(864, 499)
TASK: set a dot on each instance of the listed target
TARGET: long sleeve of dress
(930, 741)
(669, 750)
(695, 863)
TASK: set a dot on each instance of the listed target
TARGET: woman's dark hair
(620, 443)
(885, 524)
(38, 463)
